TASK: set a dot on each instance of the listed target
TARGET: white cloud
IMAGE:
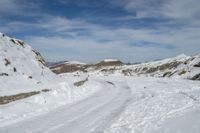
(116, 43)
(187, 9)
(175, 9)
(8, 5)
(97, 42)
(53, 24)
(89, 50)
(19, 7)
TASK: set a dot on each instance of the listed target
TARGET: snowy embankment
(23, 71)
(92, 114)
(62, 93)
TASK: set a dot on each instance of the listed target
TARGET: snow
(107, 103)
(129, 104)
(110, 60)
(92, 114)
(186, 123)
(30, 73)
(154, 102)
(181, 66)
(181, 57)
(67, 63)
(76, 62)
(62, 94)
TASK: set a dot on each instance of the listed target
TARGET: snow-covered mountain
(75, 66)
(52, 64)
(182, 66)
(67, 66)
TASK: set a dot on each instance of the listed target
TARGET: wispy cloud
(8, 6)
(61, 37)
(158, 8)
(101, 42)
(18, 7)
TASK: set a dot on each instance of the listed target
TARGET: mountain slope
(182, 66)
(75, 66)
(28, 87)
(15, 53)
(21, 67)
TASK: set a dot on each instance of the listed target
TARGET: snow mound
(21, 67)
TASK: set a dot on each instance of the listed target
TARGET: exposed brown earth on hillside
(68, 68)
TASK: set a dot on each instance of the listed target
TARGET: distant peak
(181, 56)
(75, 62)
(110, 60)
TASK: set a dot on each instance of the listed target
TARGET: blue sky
(92, 30)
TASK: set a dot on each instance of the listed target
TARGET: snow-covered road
(93, 114)
(123, 105)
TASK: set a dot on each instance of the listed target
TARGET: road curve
(91, 115)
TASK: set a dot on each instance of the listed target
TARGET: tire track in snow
(93, 114)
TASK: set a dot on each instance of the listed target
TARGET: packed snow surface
(120, 105)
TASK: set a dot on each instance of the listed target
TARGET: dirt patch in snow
(68, 68)
(12, 98)
(109, 63)
(197, 65)
(8, 99)
(196, 77)
(7, 62)
(80, 83)
(110, 82)
(4, 74)
(163, 67)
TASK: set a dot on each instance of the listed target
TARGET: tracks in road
(93, 114)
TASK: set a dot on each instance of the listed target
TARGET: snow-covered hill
(67, 66)
(21, 67)
(75, 66)
(52, 64)
(182, 66)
